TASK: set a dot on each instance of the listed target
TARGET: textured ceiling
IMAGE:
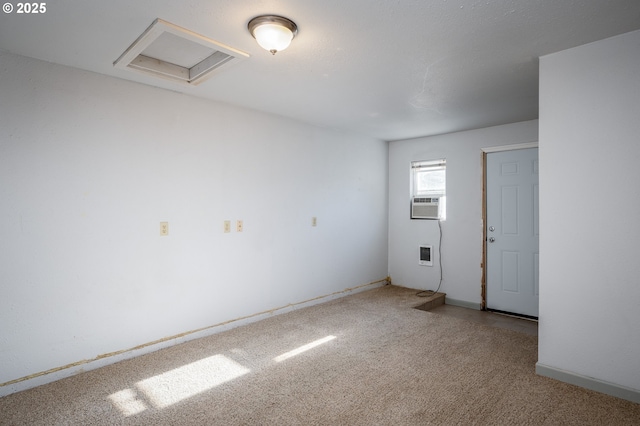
(391, 69)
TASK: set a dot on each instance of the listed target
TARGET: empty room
(303, 212)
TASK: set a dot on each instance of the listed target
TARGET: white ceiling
(391, 69)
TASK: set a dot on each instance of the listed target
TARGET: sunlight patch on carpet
(189, 380)
(127, 402)
(178, 384)
(303, 348)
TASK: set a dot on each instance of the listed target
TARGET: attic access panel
(175, 53)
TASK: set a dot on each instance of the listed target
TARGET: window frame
(440, 192)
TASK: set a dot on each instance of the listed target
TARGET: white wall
(90, 165)
(462, 230)
(590, 211)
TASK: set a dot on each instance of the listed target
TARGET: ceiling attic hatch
(175, 53)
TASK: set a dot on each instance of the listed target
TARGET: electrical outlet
(314, 221)
(239, 226)
(227, 226)
(164, 229)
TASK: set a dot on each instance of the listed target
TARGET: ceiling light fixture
(273, 33)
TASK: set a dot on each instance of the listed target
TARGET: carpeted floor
(365, 359)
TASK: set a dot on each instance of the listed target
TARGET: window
(429, 185)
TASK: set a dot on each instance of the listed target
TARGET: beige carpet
(366, 359)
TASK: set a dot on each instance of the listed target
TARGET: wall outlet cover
(164, 229)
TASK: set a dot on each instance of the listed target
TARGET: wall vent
(426, 251)
(175, 53)
(425, 208)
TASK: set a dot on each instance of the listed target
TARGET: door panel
(509, 210)
(512, 231)
(509, 279)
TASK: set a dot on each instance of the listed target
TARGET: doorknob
(491, 239)
(491, 228)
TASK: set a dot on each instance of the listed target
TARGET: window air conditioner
(425, 208)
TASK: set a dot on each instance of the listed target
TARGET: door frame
(483, 264)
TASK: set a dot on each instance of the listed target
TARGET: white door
(512, 231)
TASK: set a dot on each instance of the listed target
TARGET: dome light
(273, 33)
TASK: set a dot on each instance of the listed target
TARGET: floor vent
(175, 53)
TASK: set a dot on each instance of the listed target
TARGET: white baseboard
(69, 370)
(601, 386)
(462, 303)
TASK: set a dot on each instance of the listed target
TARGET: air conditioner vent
(175, 53)
(425, 200)
(425, 208)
